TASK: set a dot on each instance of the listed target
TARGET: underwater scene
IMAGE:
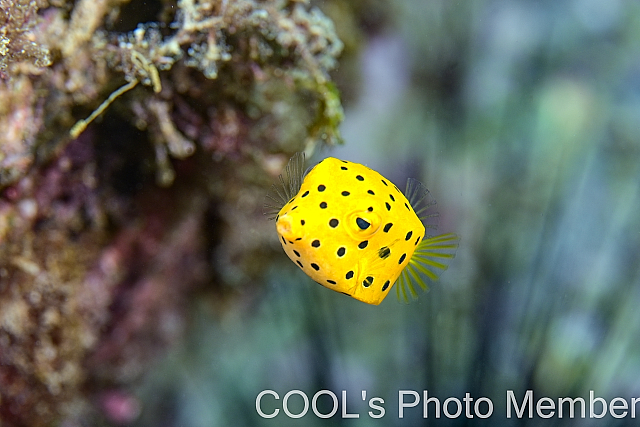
(319, 213)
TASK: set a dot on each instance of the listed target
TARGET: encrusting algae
(267, 61)
(105, 228)
(353, 231)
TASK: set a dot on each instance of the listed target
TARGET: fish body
(353, 231)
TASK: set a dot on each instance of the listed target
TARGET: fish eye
(363, 224)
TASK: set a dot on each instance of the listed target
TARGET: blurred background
(522, 118)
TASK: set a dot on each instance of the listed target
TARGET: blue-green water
(523, 120)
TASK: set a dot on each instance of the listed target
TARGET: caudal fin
(431, 258)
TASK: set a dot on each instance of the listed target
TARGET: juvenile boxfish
(353, 231)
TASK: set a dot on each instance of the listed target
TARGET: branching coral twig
(144, 66)
(79, 127)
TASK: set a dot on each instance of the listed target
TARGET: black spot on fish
(323, 205)
(392, 198)
(384, 252)
(359, 178)
(386, 285)
(343, 168)
(388, 206)
(363, 224)
(367, 282)
(306, 193)
(321, 188)
(277, 217)
(345, 193)
(315, 243)
(302, 222)
(363, 244)
(371, 192)
(408, 236)
(298, 239)
(417, 241)
(387, 227)
(283, 241)
(341, 252)
(370, 208)
(402, 258)
(385, 182)
(300, 264)
(349, 275)
(297, 253)
(315, 266)
(407, 206)
(344, 161)
(333, 223)
(331, 281)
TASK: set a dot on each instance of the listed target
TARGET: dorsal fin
(287, 187)
(423, 204)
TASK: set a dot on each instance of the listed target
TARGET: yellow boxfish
(353, 231)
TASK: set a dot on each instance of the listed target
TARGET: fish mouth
(285, 227)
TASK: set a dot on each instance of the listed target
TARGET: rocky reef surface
(136, 141)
